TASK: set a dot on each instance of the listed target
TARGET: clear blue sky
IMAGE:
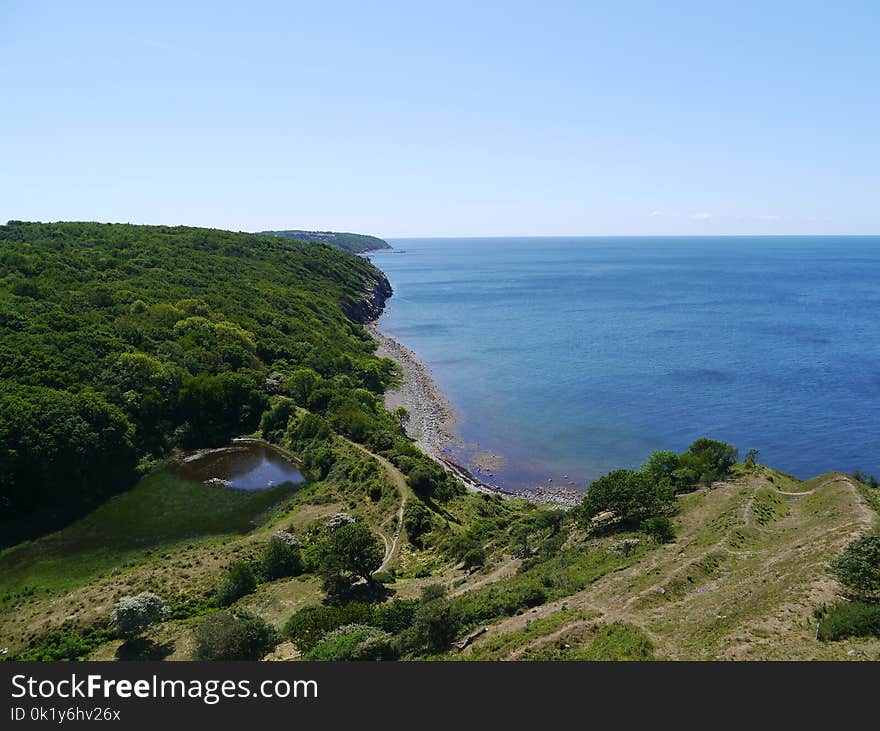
(444, 118)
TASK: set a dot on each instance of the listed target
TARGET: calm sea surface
(573, 356)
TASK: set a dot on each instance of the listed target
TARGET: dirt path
(392, 544)
(756, 599)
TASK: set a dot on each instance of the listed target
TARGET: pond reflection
(243, 465)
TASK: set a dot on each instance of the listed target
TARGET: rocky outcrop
(369, 305)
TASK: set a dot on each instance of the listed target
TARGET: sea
(570, 357)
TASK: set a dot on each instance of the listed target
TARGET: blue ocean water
(574, 356)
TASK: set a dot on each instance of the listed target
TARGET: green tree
(238, 581)
(417, 520)
(707, 461)
(280, 559)
(435, 626)
(629, 495)
(659, 528)
(234, 636)
(347, 554)
(661, 465)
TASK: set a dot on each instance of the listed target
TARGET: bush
(474, 558)
(274, 422)
(238, 582)
(430, 480)
(849, 619)
(866, 479)
(133, 615)
(859, 567)
(65, 644)
(395, 616)
(417, 520)
(280, 559)
(661, 465)
(307, 627)
(617, 642)
(707, 460)
(659, 528)
(435, 626)
(629, 495)
(353, 642)
(239, 636)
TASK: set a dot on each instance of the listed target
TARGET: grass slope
(740, 582)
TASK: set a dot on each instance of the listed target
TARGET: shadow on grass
(142, 648)
(363, 593)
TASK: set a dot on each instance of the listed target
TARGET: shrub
(233, 636)
(238, 582)
(417, 521)
(866, 479)
(65, 644)
(474, 558)
(280, 559)
(661, 465)
(307, 627)
(435, 626)
(133, 615)
(849, 619)
(619, 641)
(273, 423)
(430, 480)
(859, 567)
(707, 460)
(433, 591)
(751, 460)
(659, 528)
(395, 616)
(629, 495)
(353, 642)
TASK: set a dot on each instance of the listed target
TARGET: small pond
(243, 465)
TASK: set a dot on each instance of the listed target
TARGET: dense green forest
(354, 243)
(119, 343)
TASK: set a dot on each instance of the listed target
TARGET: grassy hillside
(748, 567)
(353, 243)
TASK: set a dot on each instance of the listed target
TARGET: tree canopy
(119, 343)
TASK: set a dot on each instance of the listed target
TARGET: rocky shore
(431, 416)
(432, 423)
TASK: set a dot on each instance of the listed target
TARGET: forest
(120, 343)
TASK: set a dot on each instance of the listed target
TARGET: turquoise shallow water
(573, 356)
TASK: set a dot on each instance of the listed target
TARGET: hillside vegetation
(123, 345)
(353, 243)
(119, 343)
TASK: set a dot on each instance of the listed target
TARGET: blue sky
(471, 118)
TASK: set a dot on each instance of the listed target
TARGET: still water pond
(242, 465)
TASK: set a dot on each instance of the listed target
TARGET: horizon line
(410, 237)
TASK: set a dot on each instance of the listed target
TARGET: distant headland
(353, 243)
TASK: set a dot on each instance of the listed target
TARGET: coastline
(431, 415)
(432, 421)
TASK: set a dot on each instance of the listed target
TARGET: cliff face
(372, 300)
